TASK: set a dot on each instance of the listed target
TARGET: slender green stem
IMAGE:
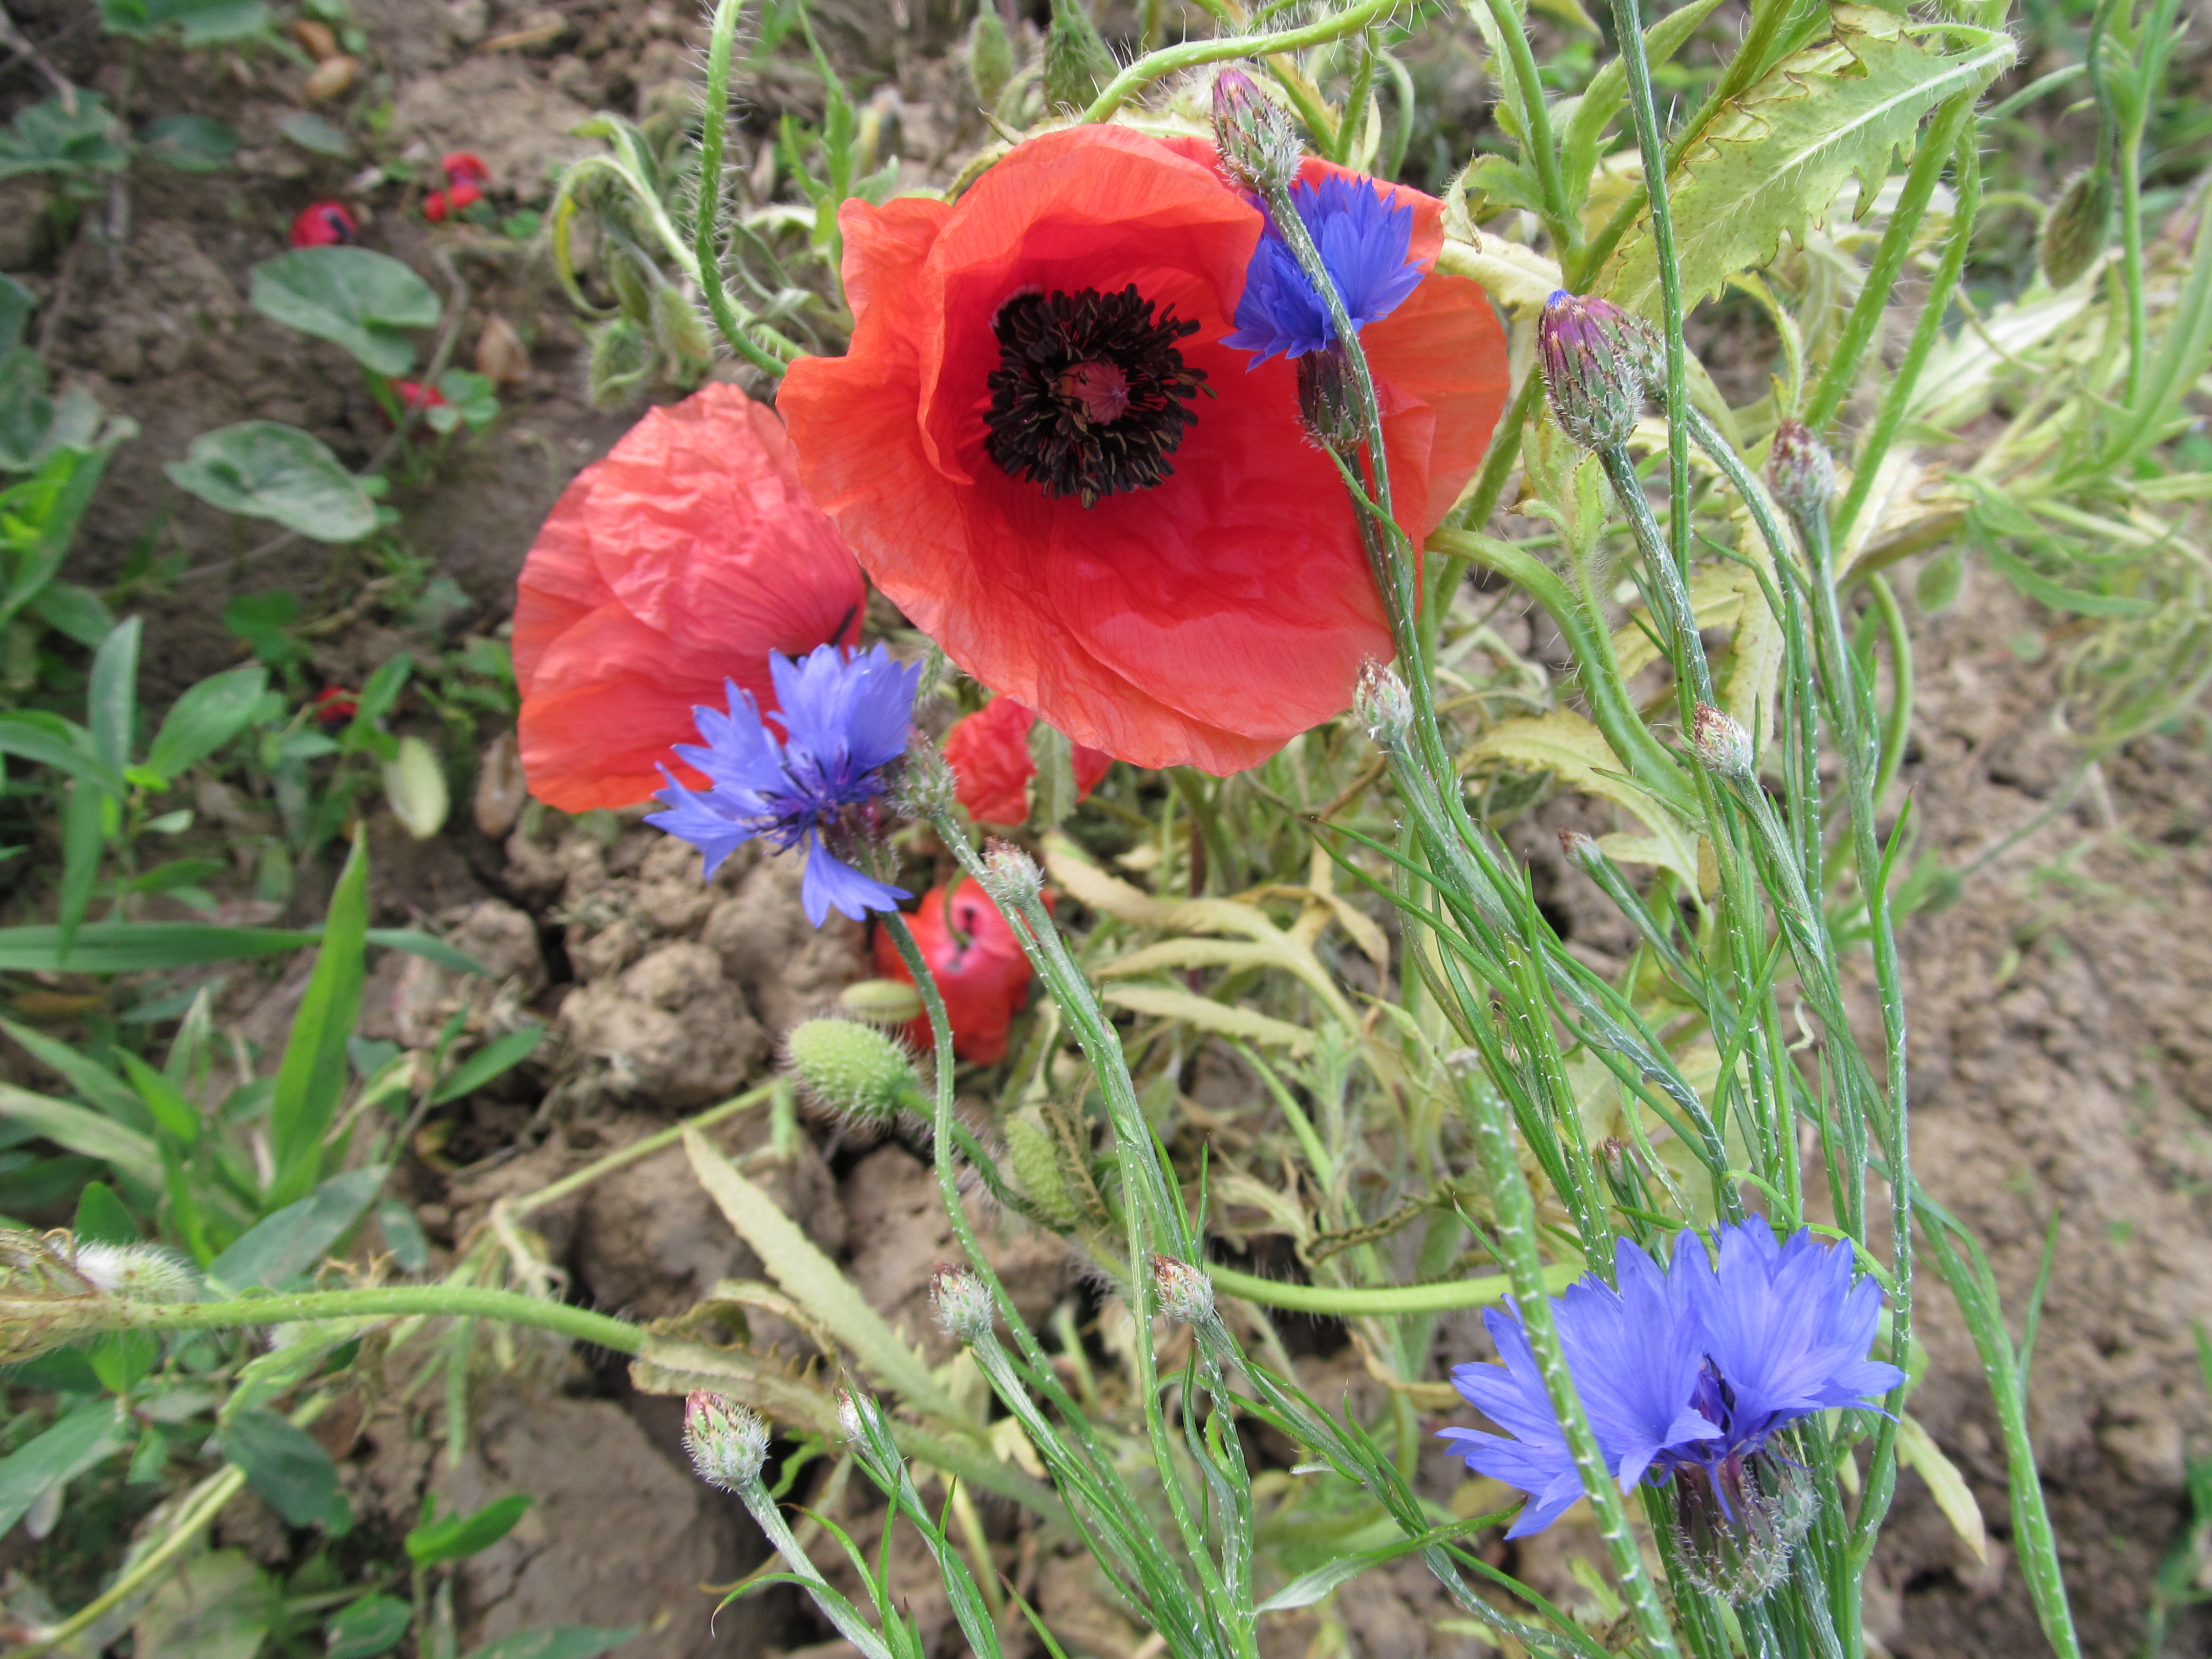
(1537, 144)
(1694, 676)
(553, 1192)
(1190, 54)
(2131, 261)
(705, 230)
(834, 1607)
(1382, 1301)
(1352, 125)
(435, 1301)
(1897, 730)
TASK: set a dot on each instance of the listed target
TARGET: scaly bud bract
(1737, 1522)
(727, 1442)
(1183, 1293)
(1800, 471)
(854, 1070)
(928, 788)
(1722, 745)
(1011, 876)
(1259, 147)
(1598, 362)
(963, 1302)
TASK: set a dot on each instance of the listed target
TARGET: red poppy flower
(334, 707)
(978, 964)
(413, 394)
(1212, 601)
(989, 753)
(680, 561)
(465, 167)
(322, 224)
(442, 204)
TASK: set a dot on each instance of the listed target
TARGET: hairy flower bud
(1011, 876)
(2074, 235)
(854, 1070)
(1036, 1164)
(1076, 64)
(1722, 745)
(1382, 704)
(137, 1273)
(927, 789)
(1598, 361)
(621, 355)
(1800, 469)
(963, 1302)
(881, 1001)
(990, 54)
(727, 1442)
(1183, 1292)
(1259, 146)
(1737, 1522)
(1328, 400)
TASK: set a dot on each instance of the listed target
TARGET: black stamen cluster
(1042, 431)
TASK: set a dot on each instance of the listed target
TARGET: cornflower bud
(1259, 147)
(727, 1442)
(1580, 850)
(1328, 400)
(1722, 745)
(1382, 704)
(1598, 360)
(1011, 876)
(849, 1425)
(1183, 1292)
(1800, 469)
(854, 1070)
(1738, 1521)
(928, 788)
(963, 1302)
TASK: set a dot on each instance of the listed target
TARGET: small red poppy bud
(465, 167)
(462, 196)
(1597, 361)
(322, 224)
(979, 965)
(1259, 147)
(1800, 469)
(334, 707)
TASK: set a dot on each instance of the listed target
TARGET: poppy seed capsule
(728, 1443)
(1598, 360)
(1259, 148)
(853, 1070)
(963, 1302)
(1800, 469)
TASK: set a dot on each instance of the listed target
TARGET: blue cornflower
(1364, 243)
(1690, 1371)
(845, 721)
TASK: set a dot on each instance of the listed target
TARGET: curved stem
(1154, 65)
(706, 245)
(450, 1301)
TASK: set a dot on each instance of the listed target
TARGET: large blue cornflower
(845, 721)
(1364, 242)
(1687, 1373)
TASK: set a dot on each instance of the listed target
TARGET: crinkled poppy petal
(989, 754)
(681, 560)
(980, 968)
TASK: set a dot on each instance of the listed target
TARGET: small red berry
(322, 224)
(465, 167)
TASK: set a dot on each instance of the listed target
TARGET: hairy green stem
(1537, 143)
(434, 1301)
(706, 241)
(1190, 54)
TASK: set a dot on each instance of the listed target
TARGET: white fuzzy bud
(1184, 1293)
(1722, 745)
(728, 1443)
(963, 1302)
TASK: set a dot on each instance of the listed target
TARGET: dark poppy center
(1091, 396)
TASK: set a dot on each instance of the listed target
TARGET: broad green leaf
(30, 737)
(500, 1055)
(283, 1463)
(219, 1606)
(58, 1456)
(38, 517)
(370, 1626)
(83, 1130)
(558, 1642)
(453, 1537)
(51, 138)
(191, 143)
(312, 1077)
(310, 132)
(77, 612)
(267, 470)
(403, 1235)
(352, 297)
(1563, 742)
(102, 1217)
(206, 717)
(291, 1244)
(113, 696)
(1773, 162)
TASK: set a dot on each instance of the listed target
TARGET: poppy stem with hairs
(707, 221)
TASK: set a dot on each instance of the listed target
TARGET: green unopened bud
(1035, 1164)
(1598, 361)
(1737, 1523)
(2074, 235)
(1383, 705)
(1011, 876)
(853, 1070)
(679, 329)
(1259, 146)
(963, 1302)
(1580, 850)
(881, 1001)
(1076, 64)
(1722, 745)
(137, 1273)
(1181, 1293)
(727, 1442)
(1329, 403)
(990, 54)
(926, 789)
(621, 354)
(1800, 469)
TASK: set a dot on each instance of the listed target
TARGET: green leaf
(84, 840)
(38, 519)
(500, 1055)
(190, 143)
(559, 1642)
(92, 1080)
(382, 690)
(453, 1537)
(171, 1109)
(370, 1626)
(1308, 1588)
(51, 138)
(1772, 163)
(83, 1130)
(132, 947)
(58, 1456)
(352, 297)
(76, 613)
(113, 697)
(403, 1235)
(206, 717)
(267, 470)
(2040, 588)
(310, 132)
(312, 1077)
(219, 1606)
(283, 1463)
(291, 1244)
(16, 305)
(27, 735)
(101, 1216)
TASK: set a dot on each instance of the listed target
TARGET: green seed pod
(681, 332)
(1076, 64)
(2074, 235)
(621, 354)
(881, 1001)
(990, 55)
(854, 1070)
(1036, 1168)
